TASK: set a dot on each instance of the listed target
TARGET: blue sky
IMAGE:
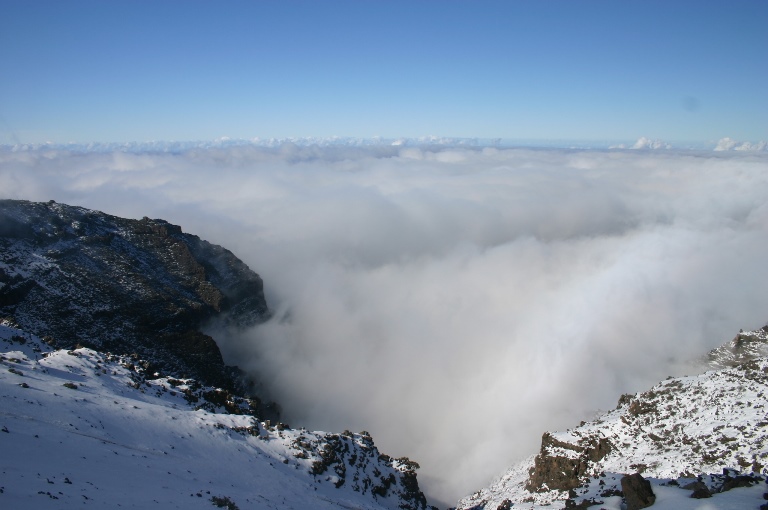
(551, 70)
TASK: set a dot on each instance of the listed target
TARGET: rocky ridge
(140, 287)
(708, 428)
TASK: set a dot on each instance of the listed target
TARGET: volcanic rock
(127, 286)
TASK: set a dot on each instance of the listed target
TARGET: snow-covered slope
(679, 429)
(82, 428)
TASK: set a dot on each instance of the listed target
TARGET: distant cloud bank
(728, 144)
(724, 144)
(642, 143)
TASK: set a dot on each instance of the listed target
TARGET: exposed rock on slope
(745, 346)
(123, 285)
(107, 434)
(563, 472)
(682, 427)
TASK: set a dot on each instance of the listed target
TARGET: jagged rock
(637, 492)
(127, 286)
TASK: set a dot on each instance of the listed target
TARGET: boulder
(637, 492)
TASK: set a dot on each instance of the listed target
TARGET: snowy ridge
(86, 428)
(677, 431)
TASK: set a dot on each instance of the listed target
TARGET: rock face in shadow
(637, 492)
(127, 286)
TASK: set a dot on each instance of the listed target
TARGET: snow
(668, 497)
(673, 498)
(79, 429)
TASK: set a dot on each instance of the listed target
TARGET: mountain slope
(128, 286)
(81, 428)
(679, 429)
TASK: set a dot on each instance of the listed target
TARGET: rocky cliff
(127, 286)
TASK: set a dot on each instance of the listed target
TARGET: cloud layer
(456, 302)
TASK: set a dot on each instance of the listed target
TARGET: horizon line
(641, 143)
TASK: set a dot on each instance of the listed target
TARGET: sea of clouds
(454, 301)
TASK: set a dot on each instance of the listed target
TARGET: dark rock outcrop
(127, 286)
(733, 480)
(637, 492)
(562, 466)
(699, 488)
(701, 493)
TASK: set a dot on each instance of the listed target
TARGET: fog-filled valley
(454, 301)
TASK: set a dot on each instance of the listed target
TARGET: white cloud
(747, 146)
(647, 143)
(456, 302)
(727, 144)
